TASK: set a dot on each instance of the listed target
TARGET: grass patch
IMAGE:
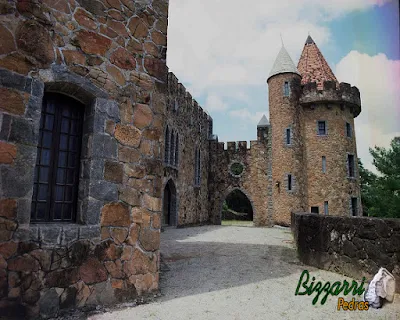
(237, 223)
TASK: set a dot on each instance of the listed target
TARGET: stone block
(49, 303)
(113, 171)
(50, 234)
(92, 271)
(24, 131)
(93, 43)
(115, 214)
(128, 135)
(89, 232)
(103, 190)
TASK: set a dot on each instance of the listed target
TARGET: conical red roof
(313, 66)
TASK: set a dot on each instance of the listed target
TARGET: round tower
(330, 154)
(286, 147)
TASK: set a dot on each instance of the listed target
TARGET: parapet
(345, 95)
(178, 89)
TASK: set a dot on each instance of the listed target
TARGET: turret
(287, 183)
(262, 129)
(330, 154)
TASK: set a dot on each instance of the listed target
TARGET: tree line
(380, 193)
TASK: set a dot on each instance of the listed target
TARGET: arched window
(177, 150)
(166, 147)
(172, 149)
(56, 178)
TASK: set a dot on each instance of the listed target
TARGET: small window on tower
(315, 210)
(289, 181)
(326, 211)
(288, 136)
(348, 130)
(350, 165)
(354, 207)
(286, 91)
(323, 164)
(321, 128)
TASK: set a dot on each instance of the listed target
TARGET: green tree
(380, 193)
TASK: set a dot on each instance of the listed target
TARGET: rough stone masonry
(100, 145)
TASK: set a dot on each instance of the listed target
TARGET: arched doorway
(237, 209)
(169, 217)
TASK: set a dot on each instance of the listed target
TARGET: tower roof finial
(282, 40)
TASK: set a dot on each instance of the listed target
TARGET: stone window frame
(236, 175)
(351, 177)
(326, 128)
(286, 89)
(349, 130)
(171, 161)
(94, 190)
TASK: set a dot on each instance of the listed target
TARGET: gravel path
(229, 272)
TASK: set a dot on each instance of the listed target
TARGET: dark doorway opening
(237, 209)
(169, 217)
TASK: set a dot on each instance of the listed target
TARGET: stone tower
(328, 111)
(287, 157)
(314, 156)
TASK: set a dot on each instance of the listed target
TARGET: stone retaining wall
(354, 246)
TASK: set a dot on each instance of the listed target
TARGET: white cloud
(378, 80)
(215, 103)
(247, 116)
(218, 47)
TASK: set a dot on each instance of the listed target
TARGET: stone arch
(226, 194)
(170, 204)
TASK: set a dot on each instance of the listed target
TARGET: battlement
(190, 105)
(345, 95)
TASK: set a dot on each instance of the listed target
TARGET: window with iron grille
(350, 165)
(56, 176)
(286, 89)
(321, 128)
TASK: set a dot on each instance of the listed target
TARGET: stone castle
(100, 146)
(304, 159)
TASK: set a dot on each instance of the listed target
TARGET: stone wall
(109, 55)
(187, 119)
(353, 246)
(253, 181)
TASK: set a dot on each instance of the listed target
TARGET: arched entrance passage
(236, 207)
(169, 217)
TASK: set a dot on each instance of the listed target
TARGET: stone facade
(186, 120)
(354, 246)
(111, 57)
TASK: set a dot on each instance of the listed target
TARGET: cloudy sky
(223, 51)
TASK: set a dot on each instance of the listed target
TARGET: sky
(222, 51)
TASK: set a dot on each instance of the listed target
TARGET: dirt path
(229, 272)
